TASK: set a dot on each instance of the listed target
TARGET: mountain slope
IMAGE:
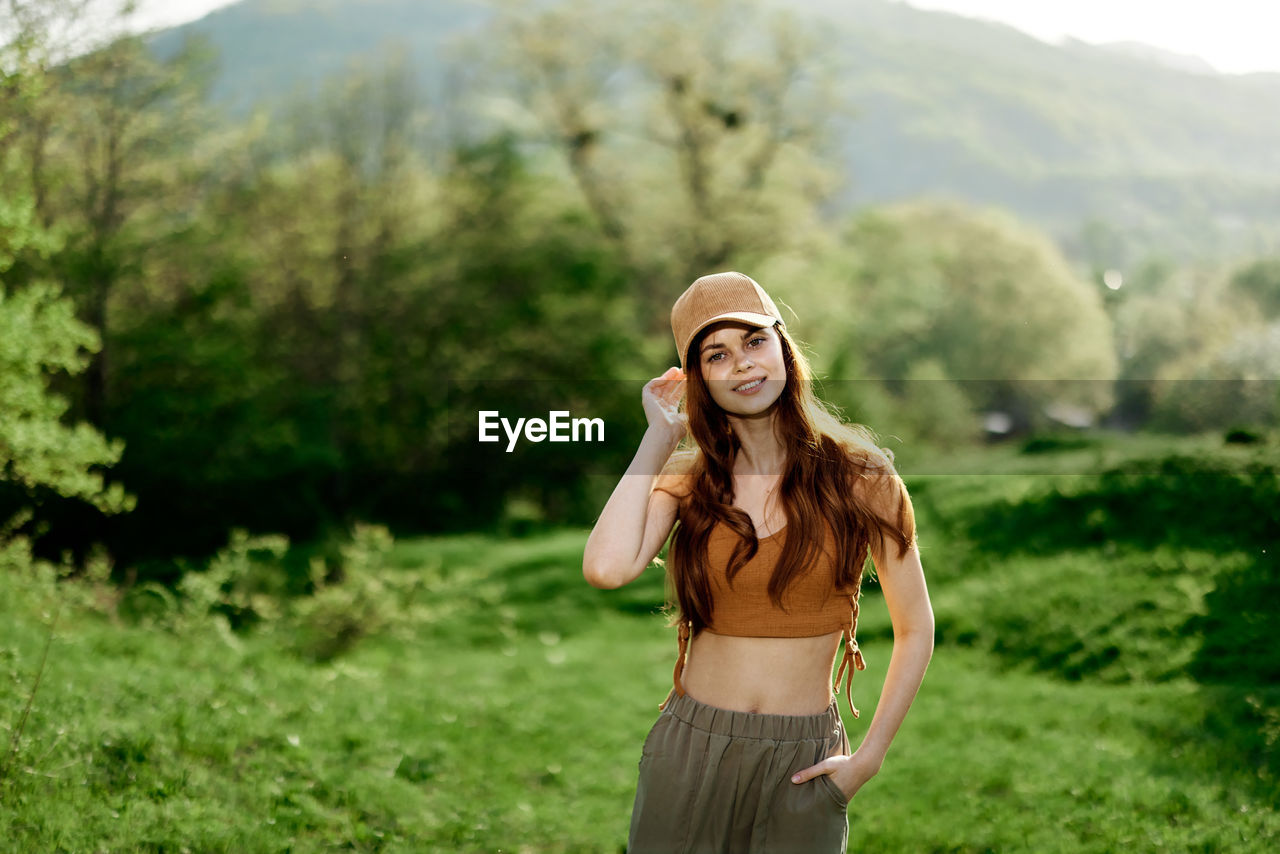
(1181, 162)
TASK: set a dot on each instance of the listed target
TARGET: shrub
(361, 597)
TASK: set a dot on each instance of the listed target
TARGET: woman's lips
(759, 384)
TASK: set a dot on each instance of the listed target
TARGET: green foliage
(147, 737)
(933, 409)
(1237, 624)
(39, 334)
(521, 516)
(245, 588)
(298, 317)
(365, 599)
(1203, 501)
(354, 302)
(1049, 442)
(1090, 613)
(1243, 436)
(958, 310)
(20, 231)
(224, 588)
(728, 108)
(198, 383)
(1260, 281)
(1158, 568)
(1197, 353)
(1224, 393)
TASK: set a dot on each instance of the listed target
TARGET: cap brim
(754, 318)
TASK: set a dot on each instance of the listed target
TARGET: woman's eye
(757, 338)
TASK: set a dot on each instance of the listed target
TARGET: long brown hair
(835, 475)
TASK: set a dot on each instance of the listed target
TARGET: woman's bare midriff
(770, 676)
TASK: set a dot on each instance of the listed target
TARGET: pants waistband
(752, 725)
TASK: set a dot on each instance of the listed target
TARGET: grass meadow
(1104, 680)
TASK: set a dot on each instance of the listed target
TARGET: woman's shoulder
(875, 479)
(876, 462)
(866, 460)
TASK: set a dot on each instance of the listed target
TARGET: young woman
(778, 505)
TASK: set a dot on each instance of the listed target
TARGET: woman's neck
(760, 452)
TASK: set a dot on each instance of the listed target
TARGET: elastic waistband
(751, 725)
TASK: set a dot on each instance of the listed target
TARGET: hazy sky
(1232, 35)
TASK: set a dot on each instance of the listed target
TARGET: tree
(39, 454)
(1191, 347)
(695, 131)
(110, 146)
(39, 334)
(1260, 281)
(942, 293)
(344, 306)
(269, 368)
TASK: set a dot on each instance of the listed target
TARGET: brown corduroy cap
(720, 296)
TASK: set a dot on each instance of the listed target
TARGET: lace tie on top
(851, 655)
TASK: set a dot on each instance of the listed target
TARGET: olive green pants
(716, 780)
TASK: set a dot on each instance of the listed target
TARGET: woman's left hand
(847, 772)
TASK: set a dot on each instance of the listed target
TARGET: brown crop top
(814, 605)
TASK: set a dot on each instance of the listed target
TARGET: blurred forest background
(305, 243)
(259, 273)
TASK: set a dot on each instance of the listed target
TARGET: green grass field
(1096, 687)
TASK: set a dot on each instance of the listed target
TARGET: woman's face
(733, 357)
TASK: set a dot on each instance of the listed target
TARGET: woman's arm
(635, 522)
(637, 519)
(902, 581)
(905, 594)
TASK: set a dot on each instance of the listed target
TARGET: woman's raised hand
(661, 398)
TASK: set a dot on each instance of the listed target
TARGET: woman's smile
(741, 362)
